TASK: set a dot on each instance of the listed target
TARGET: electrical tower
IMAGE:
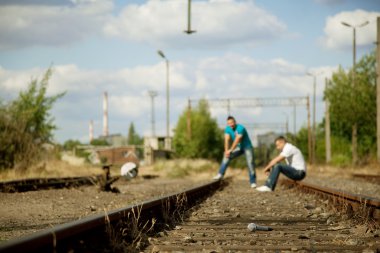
(257, 102)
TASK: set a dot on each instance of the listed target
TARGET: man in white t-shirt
(295, 167)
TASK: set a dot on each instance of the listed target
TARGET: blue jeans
(250, 162)
(287, 170)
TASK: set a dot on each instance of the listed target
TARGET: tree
(206, 138)
(69, 145)
(351, 105)
(26, 124)
(133, 137)
(99, 142)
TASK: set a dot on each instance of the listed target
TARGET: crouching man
(295, 167)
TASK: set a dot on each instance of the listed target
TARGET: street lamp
(152, 94)
(354, 39)
(167, 142)
(355, 125)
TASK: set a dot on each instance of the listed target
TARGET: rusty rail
(34, 184)
(352, 201)
(91, 234)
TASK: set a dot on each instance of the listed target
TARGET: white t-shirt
(293, 157)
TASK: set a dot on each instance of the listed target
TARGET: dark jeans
(250, 162)
(287, 170)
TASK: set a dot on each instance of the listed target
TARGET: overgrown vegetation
(348, 105)
(133, 137)
(356, 104)
(26, 125)
(205, 138)
(184, 167)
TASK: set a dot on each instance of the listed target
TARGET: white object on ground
(129, 170)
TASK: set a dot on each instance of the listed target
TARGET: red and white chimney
(91, 130)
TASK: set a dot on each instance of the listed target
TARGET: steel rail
(355, 200)
(369, 201)
(367, 177)
(33, 184)
(73, 235)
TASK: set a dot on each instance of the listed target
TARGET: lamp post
(152, 94)
(355, 125)
(167, 142)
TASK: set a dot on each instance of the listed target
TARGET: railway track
(120, 230)
(345, 201)
(180, 222)
(299, 222)
(368, 177)
(35, 184)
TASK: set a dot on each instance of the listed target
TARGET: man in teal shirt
(236, 135)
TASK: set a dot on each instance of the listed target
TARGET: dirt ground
(27, 212)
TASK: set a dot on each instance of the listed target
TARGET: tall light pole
(152, 94)
(167, 142)
(355, 125)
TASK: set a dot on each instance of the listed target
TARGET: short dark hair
(231, 117)
(280, 138)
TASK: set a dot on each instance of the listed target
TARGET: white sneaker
(264, 188)
(253, 185)
(218, 177)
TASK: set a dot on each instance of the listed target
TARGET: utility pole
(189, 120)
(309, 131)
(294, 119)
(355, 125)
(152, 94)
(378, 88)
(167, 140)
(327, 126)
(286, 125)
(314, 136)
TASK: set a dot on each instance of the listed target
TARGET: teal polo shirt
(239, 130)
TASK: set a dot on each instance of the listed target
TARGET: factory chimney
(105, 114)
(91, 129)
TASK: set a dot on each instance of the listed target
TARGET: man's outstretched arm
(273, 162)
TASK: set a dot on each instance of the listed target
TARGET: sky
(241, 49)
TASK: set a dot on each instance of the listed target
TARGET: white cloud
(338, 36)
(238, 76)
(218, 23)
(51, 25)
(228, 76)
(156, 22)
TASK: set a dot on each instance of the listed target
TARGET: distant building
(266, 139)
(156, 148)
(115, 140)
(117, 155)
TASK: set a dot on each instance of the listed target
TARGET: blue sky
(241, 49)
